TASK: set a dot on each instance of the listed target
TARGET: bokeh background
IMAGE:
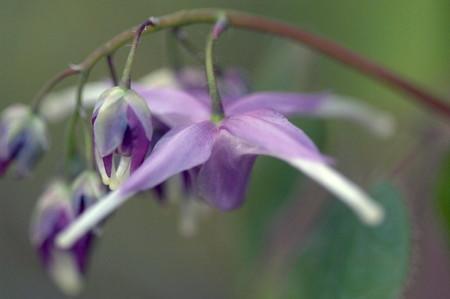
(254, 252)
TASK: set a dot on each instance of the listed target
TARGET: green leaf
(348, 260)
(443, 194)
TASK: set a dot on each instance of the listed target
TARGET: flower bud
(54, 213)
(122, 134)
(23, 139)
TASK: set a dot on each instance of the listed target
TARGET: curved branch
(274, 27)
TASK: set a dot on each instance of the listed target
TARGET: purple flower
(56, 209)
(23, 139)
(232, 84)
(122, 134)
(52, 215)
(223, 153)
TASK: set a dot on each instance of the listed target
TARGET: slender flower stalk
(72, 150)
(219, 27)
(48, 87)
(126, 77)
(112, 69)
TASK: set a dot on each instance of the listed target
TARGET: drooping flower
(172, 108)
(122, 134)
(56, 209)
(53, 214)
(224, 153)
(232, 85)
(23, 139)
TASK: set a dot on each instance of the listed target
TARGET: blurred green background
(236, 255)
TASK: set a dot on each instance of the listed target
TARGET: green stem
(217, 107)
(126, 77)
(36, 102)
(88, 145)
(269, 26)
(71, 144)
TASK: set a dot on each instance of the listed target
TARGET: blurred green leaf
(347, 260)
(443, 194)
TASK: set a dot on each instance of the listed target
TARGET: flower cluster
(207, 130)
(165, 127)
(218, 157)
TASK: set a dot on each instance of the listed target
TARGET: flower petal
(268, 134)
(368, 211)
(316, 104)
(223, 179)
(65, 273)
(141, 111)
(140, 142)
(345, 107)
(110, 125)
(13, 124)
(179, 150)
(174, 107)
(34, 142)
(286, 103)
(164, 77)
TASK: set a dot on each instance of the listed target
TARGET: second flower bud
(122, 134)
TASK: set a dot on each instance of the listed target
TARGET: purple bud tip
(150, 22)
(220, 26)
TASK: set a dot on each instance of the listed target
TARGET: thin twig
(112, 69)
